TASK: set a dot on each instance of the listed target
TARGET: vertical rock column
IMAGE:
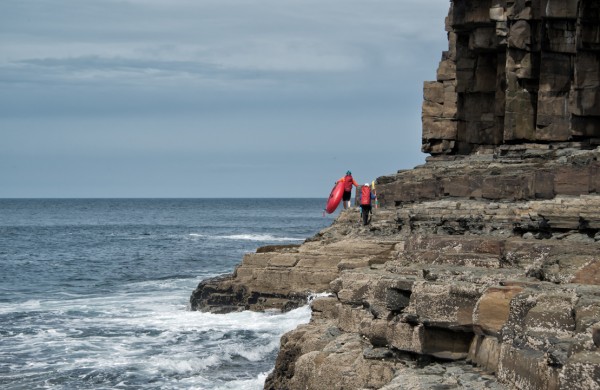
(584, 101)
(522, 69)
(440, 102)
(558, 51)
(477, 63)
(516, 71)
(464, 107)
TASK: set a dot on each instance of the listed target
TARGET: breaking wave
(248, 237)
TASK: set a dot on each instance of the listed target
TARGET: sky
(211, 98)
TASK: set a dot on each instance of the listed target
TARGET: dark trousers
(366, 209)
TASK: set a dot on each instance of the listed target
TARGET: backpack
(365, 198)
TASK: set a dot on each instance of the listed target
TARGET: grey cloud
(210, 90)
(130, 65)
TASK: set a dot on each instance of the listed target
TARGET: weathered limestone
(532, 334)
(282, 277)
(510, 283)
(524, 172)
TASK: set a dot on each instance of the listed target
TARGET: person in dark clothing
(348, 181)
(366, 196)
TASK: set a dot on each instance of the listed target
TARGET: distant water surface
(94, 292)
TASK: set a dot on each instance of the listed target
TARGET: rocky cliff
(516, 71)
(484, 260)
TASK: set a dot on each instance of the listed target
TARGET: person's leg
(366, 212)
(346, 199)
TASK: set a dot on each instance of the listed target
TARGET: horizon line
(157, 197)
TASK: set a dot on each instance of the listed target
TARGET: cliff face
(516, 71)
(489, 253)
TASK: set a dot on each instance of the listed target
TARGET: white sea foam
(150, 334)
(249, 384)
(255, 354)
(259, 237)
(180, 364)
(246, 237)
(32, 304)
(147, 330)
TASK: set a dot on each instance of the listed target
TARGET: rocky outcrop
(445, 272)
(481, 269)
(283, 277)
(509, 284)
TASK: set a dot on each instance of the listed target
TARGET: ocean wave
(255, 353)
(245, 384)
(259, 237)
(185, 364)
(31, 305)
(246, 237)
(174, 344)
(130, 325)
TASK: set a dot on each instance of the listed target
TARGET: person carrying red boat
(348, 181)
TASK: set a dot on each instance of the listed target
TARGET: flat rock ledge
(477, 272)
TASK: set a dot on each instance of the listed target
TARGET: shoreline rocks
(509, 286)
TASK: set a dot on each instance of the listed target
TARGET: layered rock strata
(449, 269)
(515, 71)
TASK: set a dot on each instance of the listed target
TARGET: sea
(94, 293)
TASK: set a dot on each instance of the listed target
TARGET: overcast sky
(211, 98)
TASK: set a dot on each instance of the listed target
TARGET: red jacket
(348, 181)
(365, 196)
